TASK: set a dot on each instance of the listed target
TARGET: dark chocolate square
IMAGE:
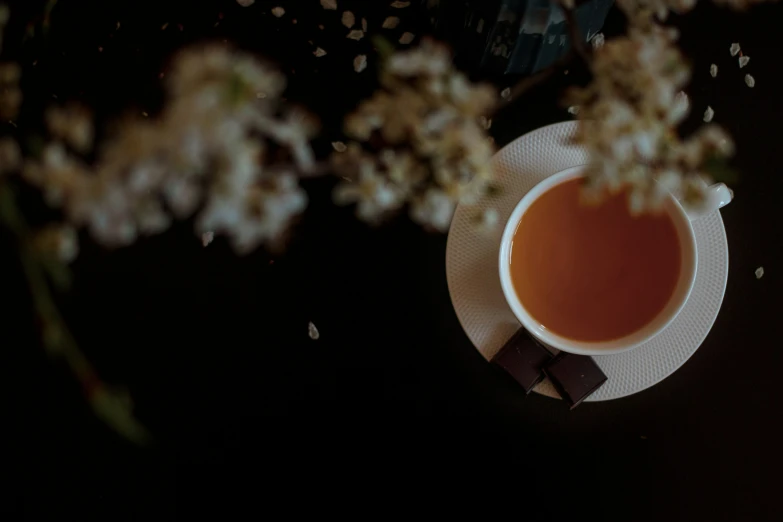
(576, 377)
(523, 359)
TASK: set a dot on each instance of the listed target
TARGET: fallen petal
(312, 331)
(360, 63)
(391, 22)
(348, 19)
(407, 38)
(708, 114)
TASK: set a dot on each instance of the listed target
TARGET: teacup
(718, 196)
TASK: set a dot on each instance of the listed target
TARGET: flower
(58, 241)
(72, 124)
(708, 114)
(418, 141)
(713, 70)
(10, 93)
(374, 193)
(204, 154)
(10, 155)
(628, 115)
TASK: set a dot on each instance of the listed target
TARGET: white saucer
(474, 284)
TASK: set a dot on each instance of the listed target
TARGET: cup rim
(610, 347)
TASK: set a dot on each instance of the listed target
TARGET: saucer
(474, 282)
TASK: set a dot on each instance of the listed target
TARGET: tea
(593, 272)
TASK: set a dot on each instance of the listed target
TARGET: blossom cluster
(208, 153)
(417, 142)
(628, 118)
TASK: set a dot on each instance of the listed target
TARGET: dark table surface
(247, 411)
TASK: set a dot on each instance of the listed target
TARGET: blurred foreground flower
(628, 115)
(207, 150)
(417, 141)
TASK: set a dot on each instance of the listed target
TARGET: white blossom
(348, 19)
(278, 11)
(319, 52)
(734, 49)
(72, 124)
(743, 61)
(750, 81)
(434, 209)
(356, 34)
(10, 155)
(488, 220)
(329, 4)
(424, 148)
(628, 115)
(58, 241)
(205, 148)
(713, 70)
(375, 195)
(246, 3)
(760, 272)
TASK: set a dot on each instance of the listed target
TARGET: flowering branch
(113, 406)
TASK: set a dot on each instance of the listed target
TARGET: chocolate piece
(523, 359)
(574, 376)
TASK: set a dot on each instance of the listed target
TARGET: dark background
(248, 412)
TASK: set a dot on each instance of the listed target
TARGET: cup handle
(718, 196)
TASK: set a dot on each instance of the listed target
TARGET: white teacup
(718, 196)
